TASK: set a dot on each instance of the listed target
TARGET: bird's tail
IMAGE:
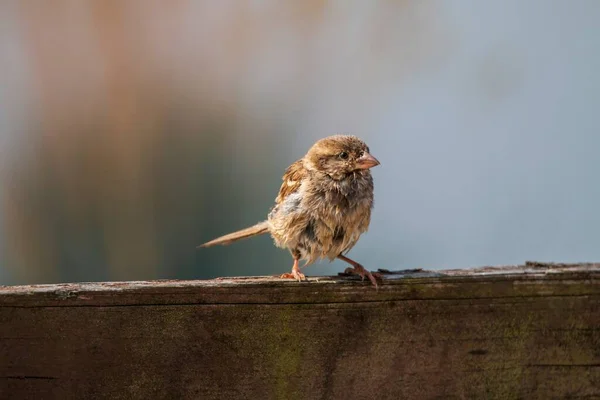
(258, 229)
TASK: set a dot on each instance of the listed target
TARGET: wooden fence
(531, 331)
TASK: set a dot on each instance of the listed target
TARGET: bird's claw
(295, 274)
(362, 272)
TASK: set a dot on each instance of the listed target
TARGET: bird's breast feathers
(320, 223)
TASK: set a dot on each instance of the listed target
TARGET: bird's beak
(366, 161)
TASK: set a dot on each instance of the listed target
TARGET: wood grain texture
(515, 332)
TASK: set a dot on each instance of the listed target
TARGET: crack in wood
(27, 377)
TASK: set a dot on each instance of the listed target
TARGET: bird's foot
(362, 272)
(295, 274)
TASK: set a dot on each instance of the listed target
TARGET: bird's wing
(292, 179)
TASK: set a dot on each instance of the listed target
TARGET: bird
(323, 206)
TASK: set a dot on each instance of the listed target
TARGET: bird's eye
(343, 155)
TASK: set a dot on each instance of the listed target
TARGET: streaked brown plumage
(323, 206)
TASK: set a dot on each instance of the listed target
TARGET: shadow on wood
(513, 332)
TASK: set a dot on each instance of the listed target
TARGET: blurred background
(132, 131)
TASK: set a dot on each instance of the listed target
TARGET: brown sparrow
(323, 205)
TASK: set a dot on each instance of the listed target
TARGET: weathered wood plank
(514, 332)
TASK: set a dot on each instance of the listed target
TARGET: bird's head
(339, 156)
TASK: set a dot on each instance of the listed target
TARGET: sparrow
(323, 206)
